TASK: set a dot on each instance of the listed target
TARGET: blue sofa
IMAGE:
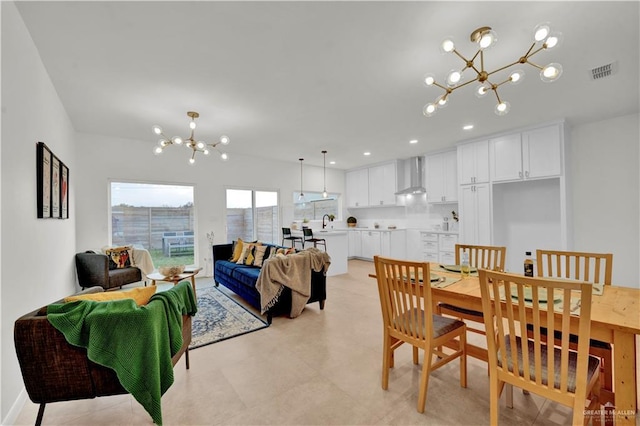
(241, 279)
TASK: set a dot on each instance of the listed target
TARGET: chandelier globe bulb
(205, 151)
(447, 45)
(429, 110)
(454, 78)
(224, 140)
(443, 101)
(157, 150)
(541, 32)
(553, 41)
(516, 77)
(488, 39)
(192, 124)
(224, 156)
(503, 108)
(157, 129)
(192, 161)
(325, 194)
(177, 140)
(200, 145)
(482, 90)
(429, 79)
(551, 72)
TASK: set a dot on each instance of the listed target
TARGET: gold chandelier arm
(534, 65)
(464, 84)
(504, 68)
(495, 90)
(526, 55)
(440, 86)
(460, 56)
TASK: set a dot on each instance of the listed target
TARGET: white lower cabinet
(384, 243)
(355, 243)
(447, 249)
(370, 244)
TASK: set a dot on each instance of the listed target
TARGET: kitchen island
(337, 247)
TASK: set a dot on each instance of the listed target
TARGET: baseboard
(16, 408)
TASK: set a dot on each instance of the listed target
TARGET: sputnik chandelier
(485, 37)
(190, 142)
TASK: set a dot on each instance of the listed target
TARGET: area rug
(219, 318)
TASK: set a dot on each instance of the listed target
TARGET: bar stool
(286, 235)
(308, 237)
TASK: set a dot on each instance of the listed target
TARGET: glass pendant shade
(503, 108)
(488, 39)
(551, 72)
(429, 79)
(516, 77)
(541, 31)
(453, 78)
(192, 125)
(157, 150)
(447, 46)
(224, 156)
(429, 110)
(224, 140)
(157, 129)
(482, 90)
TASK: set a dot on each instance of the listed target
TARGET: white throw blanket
(292, 271)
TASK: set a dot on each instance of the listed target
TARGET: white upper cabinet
(375, 186)
(542, 152)
(383, 184)
(442, 177)
(528, 155)
(357, 188)
(473, 162)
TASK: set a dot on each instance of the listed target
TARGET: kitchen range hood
(416, 176)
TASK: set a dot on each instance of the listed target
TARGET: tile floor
(322, 368)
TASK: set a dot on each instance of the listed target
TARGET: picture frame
(43, 179)
(64, 191)
(55, 186)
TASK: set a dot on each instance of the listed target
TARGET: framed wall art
(43, 175)
(64, 191)
(52, 177)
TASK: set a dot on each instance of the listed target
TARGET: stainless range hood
(416, 176)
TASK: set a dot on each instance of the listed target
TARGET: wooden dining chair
(556, 372)
(407, 315)
(480, 257)
(595, 268)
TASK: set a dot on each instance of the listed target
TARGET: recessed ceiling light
(332, 162)
(413, 141)
(468, 127)
(367, 153)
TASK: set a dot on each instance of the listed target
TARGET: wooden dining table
(615, 318)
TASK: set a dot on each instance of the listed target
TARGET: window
(157, 217)
(315, 206)
(252, 215)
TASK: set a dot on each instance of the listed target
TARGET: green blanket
(137, 342)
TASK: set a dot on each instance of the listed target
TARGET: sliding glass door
(252, 215)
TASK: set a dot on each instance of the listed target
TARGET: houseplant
(352, 222)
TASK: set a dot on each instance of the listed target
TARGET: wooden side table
(156, 276)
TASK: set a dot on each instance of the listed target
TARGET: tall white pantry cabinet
(513, 191)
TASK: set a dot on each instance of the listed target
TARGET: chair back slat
(510, 302)
(590, 267)
(482, 257)
(405, 297)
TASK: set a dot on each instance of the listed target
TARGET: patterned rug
(219, 318)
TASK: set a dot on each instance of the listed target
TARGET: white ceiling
(289, 79)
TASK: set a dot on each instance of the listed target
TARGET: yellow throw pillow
(237, 251)
(140, 295)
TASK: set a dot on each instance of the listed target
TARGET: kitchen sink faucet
(324, 225)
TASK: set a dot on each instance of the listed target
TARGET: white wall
(102, 159)
(37, 254)
(605, 193)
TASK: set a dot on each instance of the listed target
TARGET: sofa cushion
(259, 255)
(247, 275)
(237, 250)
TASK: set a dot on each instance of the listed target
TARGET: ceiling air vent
(604, 70)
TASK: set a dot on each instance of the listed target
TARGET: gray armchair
(93, 270)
